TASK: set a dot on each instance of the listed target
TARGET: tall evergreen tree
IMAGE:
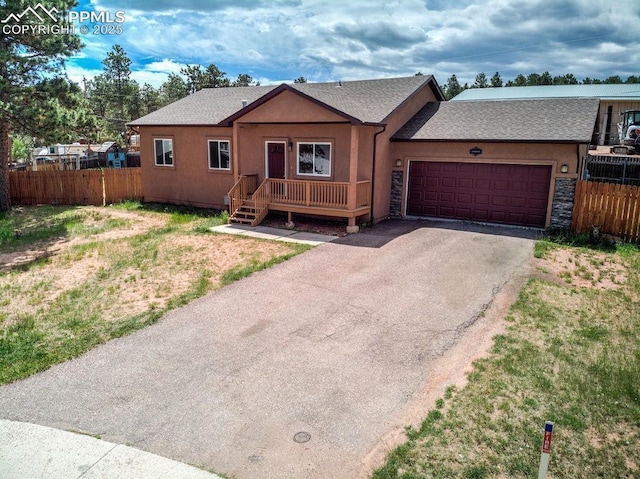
(117, 73)
(496, 81)
(173, 89)
(613, 79)
(194, 76)
(452, 88)
(546, 79)
(34, 92)
(245, 79)
(150, 99)
(520, 80)
(213, 77)
(481, 81)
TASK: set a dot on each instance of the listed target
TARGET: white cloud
(351, 40)
(165, 66)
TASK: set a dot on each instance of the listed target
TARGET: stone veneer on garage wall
(395, 209)
(562, 207)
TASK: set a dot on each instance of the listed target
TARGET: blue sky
(277, 41)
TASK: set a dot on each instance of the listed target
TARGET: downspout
(581, 162)
(373, 171)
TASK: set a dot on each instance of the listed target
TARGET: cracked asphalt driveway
(339, 343)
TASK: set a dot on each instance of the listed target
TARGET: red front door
(275, 160)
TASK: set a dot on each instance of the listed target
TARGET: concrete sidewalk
(278, 234)
(28, 451)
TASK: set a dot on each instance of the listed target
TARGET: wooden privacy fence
(75, 187)
(614, 207)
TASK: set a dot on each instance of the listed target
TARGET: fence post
(104, 189)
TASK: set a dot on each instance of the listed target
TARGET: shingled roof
(548, 120)
(366, 101)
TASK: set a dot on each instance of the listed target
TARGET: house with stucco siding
(364, 151)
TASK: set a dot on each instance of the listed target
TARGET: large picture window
(219, 157)
(314, 159)
(163, 149)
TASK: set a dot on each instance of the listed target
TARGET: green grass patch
(243, 271)
(58, 307)
(542, 247)
(569, 355)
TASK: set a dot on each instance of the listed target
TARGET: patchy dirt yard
(584, 269)
(137, 260)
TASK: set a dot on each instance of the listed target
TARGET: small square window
(314, 159)
(219, 155)
(163, 149)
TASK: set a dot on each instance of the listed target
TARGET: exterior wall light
(290, 145)
(475, 151)
(564, 168)
(399, 162)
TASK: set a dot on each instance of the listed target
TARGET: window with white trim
(219, 155)
(163, 150)
(314, 159)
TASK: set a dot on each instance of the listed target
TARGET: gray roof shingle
(549, 120)
(369, 101)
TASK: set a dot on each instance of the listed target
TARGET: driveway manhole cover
(302, 436)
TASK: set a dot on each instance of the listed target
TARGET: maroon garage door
(496, 193)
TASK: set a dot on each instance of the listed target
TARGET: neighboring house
(366, 150)
(614, 100)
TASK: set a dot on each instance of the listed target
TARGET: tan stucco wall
(288, 107)
(554, 155)
(385, 159)
(253, 137)
(189, 180)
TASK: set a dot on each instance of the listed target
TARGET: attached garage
(495, 193)
(513, 162)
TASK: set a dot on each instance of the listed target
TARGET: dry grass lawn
(72, 277)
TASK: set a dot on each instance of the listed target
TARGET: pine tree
(452, 88)
(173, 89)
(496, 81)
(34, 93)
(481, 81)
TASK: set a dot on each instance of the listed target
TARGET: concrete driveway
(338, 344)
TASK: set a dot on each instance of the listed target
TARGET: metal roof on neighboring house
(623, 91)
(569, 120)
(104, 146)
(368, 101)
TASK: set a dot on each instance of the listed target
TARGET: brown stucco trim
(277, 91)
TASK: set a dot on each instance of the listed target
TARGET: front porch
(249, 202)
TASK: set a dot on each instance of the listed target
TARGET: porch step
(246, 214)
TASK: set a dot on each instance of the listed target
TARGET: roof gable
(548, 120)
(285, 104)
